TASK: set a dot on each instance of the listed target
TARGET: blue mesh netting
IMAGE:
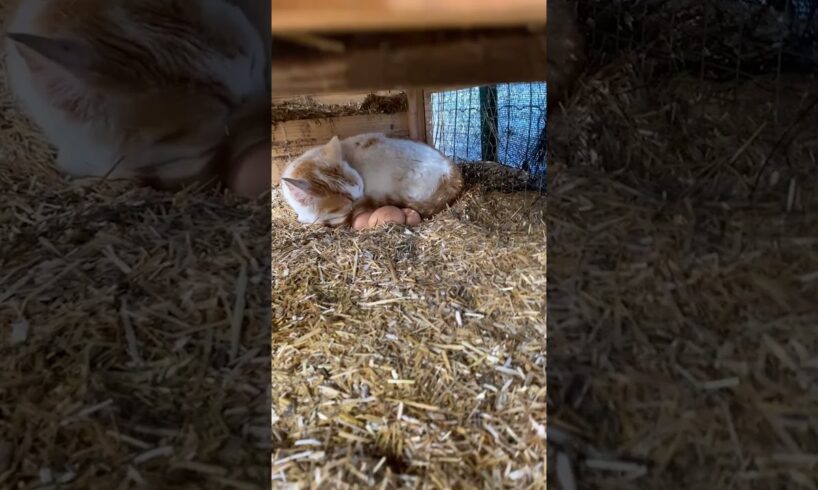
(456, 124)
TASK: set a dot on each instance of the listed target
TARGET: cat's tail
(449, 188)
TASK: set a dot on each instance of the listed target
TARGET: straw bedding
(135, 338)
(412, 358)
(683, 283)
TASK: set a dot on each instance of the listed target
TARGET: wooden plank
(292, 138)
(333, 99)
(463, 62)
(417, 114)
(424, 99)
(290, 16)
(427, 106)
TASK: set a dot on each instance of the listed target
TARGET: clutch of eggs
(385, 215)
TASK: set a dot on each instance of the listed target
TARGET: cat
(142, 89)
(334, 183)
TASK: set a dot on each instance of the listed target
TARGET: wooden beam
(333, 99)
(427, 106)
(468, 60)
(417, 114)
(289, 16)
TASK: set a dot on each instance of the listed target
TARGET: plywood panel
(292, 138)
(364, 15)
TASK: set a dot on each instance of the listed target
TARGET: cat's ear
(332, 152)
(300, 189)
(71, 56)
(66, 67)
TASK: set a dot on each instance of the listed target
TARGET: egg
(361, 222)
(248, 173)
(412, 216)
(385, 215)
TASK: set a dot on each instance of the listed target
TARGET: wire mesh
(516, 126)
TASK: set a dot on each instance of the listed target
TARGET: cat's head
(158, 80)
(322, 188)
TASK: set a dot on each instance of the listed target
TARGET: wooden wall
(292, 138)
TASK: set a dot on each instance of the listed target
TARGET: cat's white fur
(91, 148)
(395, 166)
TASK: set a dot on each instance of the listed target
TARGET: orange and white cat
(334, 183)
(140, 89)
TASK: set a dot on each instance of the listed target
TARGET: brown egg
(412, 216)
(248, 173)
(385, 215)
(361, 222)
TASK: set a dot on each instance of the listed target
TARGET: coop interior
(414, 357)
(379, 336)
(398, 350)
(486, 129)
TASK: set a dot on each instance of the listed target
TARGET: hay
(307, 108)
(497, 177)
(412, 357)
(125, 354)
(683, 245)
(128, 357)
